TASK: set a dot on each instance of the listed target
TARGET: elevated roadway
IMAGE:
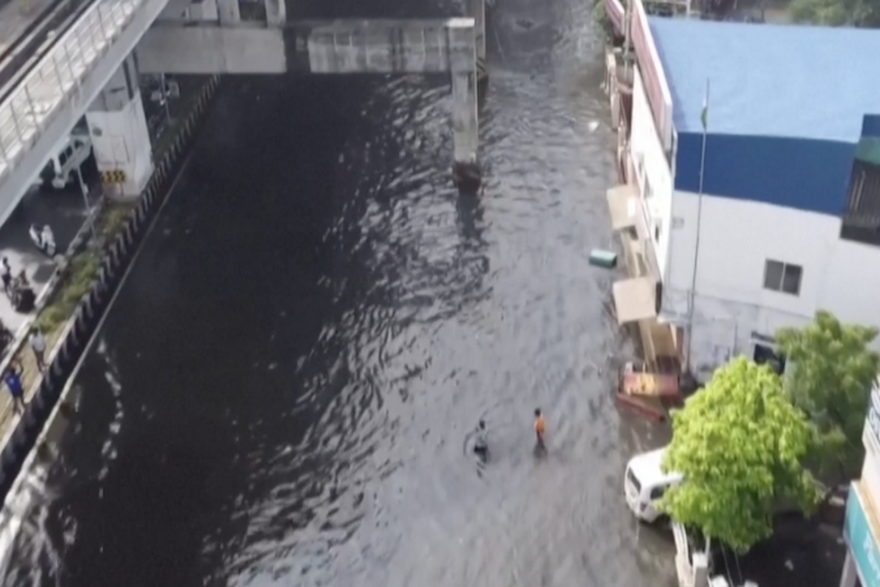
(52, 96)
(27, 30)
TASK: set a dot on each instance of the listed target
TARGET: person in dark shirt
(481, 442)
(6, 276)
(12, 379)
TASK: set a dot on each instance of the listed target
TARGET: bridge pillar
(476, 9)
(228, 11)
(120, 136)
(465, 118)
(276, 13)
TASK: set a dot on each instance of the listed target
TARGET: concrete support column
(119, 132)
(465, 122)
(276, 13)
(464, 117)
(850, 574)
(205, 10)
(228, 11)
(476, 9)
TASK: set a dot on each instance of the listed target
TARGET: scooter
(44, 240)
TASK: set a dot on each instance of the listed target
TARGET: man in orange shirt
(539, 428)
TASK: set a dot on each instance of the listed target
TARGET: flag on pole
(704, 115)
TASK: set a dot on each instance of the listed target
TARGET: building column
(228, 12)
(850, 574)
(119, 132)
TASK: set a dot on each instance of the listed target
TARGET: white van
(61, 169)
(645, 483)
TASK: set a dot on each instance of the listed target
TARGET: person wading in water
(540, 427)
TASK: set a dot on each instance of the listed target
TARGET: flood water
(282, 391)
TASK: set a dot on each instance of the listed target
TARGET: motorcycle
(43, 239)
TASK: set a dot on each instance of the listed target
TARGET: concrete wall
(344, 46)
(211, 50)
(653, 173)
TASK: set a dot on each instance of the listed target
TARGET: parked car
(62, 168)
(645, 483)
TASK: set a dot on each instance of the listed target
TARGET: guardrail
(20, 340)
(56, 79)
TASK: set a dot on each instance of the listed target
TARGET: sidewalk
(65, 212)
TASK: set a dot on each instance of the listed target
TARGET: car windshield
(632, 479)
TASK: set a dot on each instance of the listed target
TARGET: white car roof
(646, 468)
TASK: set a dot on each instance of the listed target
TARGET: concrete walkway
(65, 212)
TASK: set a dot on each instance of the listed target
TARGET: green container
(606, 259)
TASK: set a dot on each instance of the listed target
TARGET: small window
(658, 492)
(62, 158)
(656, 233)
(782, 277)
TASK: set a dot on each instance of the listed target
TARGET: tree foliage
(858, 13)
(739, 444)
(829, 380)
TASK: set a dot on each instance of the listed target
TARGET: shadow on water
(281, 392)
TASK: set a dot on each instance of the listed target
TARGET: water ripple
(320, 319)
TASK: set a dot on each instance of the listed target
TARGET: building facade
(861, 528)
(765, 216)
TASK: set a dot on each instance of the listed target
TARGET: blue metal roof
(770, 80)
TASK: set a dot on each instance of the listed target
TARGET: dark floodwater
(281, 393)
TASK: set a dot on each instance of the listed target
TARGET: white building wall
(737, 237)
(652, 172)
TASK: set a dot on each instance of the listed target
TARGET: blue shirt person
(12, 379)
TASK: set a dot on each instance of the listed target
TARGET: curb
(62, 358)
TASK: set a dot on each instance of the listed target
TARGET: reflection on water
(282, 392)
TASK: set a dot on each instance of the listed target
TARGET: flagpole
(704, 118)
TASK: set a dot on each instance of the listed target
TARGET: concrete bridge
(92, 68)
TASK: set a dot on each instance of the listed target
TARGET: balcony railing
(57, 77)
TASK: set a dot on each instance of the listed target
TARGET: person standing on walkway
(12, 379)
(38, 345)
(6, 275)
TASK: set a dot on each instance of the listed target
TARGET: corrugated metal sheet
(770, 80)
(653, 75)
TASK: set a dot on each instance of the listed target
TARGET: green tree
(739, 444)
(829, 379)
(858, 13)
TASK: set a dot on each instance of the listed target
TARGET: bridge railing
(56, 78)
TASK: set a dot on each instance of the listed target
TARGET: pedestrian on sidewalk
(6, 275)
(12, 379)
(38, 345)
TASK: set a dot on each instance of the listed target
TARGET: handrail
(56, 79)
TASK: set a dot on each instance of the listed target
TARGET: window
(861, 219)
(658, 492)
(782, 277)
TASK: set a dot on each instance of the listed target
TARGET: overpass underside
(89, 71)
(329, 47)
(206, 42)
